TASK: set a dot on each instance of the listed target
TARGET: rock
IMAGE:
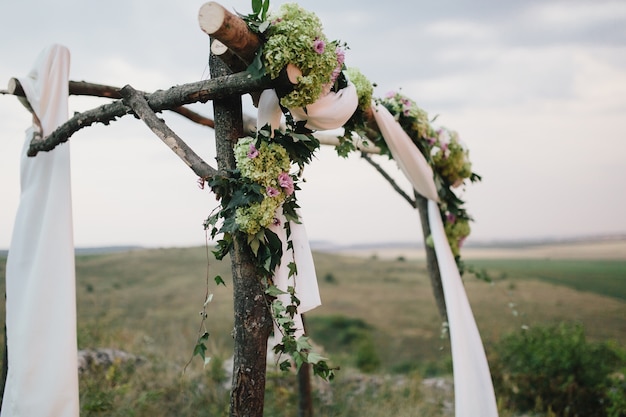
(90, 359)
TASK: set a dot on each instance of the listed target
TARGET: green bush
(554, 368)
(346, 335)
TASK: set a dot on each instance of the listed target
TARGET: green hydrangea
(451, 159)
(364, 87)
(253, 218)
(456, 232)
(263, 166)
(296, 36)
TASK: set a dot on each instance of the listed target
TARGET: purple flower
(276, 221)
(286, 182)
(450, 218)
(253, 152)
(271, 191)
(319, 45)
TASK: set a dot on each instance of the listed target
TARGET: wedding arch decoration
(295, 73)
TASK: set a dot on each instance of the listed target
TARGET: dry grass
(147, 301)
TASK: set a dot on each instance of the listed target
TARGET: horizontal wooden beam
(83, 88)
(200, 91)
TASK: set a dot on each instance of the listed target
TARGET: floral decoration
(250, 197)
(295, 36)
(364, 87)
(447, 156)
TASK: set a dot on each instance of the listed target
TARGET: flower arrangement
(295, 36)
(250, 197)
(364, 87)
(449, 159)
(268, 166)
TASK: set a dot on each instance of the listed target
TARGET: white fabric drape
(330, 111)
(473, 388)
(410, 160)
(40, 275)
(305, 281)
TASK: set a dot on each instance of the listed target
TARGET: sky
(535, 89)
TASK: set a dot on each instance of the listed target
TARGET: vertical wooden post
(421, 203)
(305, 404)
(253, 321)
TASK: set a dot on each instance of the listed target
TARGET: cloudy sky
(536, 90)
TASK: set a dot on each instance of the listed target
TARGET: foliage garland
(250, 196)
(441, 147)
(262, 181)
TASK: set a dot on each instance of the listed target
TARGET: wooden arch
(233, 48)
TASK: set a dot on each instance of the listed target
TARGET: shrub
(554, 368)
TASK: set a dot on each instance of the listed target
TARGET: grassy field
(375, 310)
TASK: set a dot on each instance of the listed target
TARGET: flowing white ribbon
(473, 388)
(410, 160)
(40, 276)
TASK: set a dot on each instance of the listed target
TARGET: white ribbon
(329, 112)
(405, 153)
(305, 280)
(473, 388)
(40, 276)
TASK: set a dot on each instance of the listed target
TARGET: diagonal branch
(391, 181)
(140, 107)
(200, 91)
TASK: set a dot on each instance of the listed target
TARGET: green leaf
(314, 358)
(285, 365)
(266, 6)
(256, 6)
(303, 343)
(274, 291)
(200, 350)
(219, 281)
(293, 269)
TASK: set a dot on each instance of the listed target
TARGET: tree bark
(253, 321)
(305, 397)
(200, 91)
(135, 100)
(83, 88)
(432, 265)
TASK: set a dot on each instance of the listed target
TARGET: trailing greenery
(251, 196)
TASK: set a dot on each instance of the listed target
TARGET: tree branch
(200, 91)
(83, 88)
(140, 107)
(391, 181)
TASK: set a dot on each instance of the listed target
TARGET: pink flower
(286, 182)
(341, 56)
(319, 45)
(450, 218)
(276, 221)
(253, 152)
(390, 94)
(271, 191)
